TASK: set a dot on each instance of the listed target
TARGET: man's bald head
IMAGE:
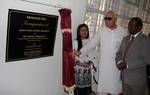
(111, 14)
(110, 19)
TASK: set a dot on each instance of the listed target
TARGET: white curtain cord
(71, 92)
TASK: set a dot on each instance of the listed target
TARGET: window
(125, 9)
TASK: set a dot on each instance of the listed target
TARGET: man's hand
(121, 65)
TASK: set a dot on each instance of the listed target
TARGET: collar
(135, 35)
(110, 28)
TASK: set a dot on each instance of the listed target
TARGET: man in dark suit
(148, 77)
(132, 58)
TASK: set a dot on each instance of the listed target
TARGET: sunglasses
(107, 18)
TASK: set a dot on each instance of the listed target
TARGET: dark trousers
(148, 77)
(82, 91)
(133, 90)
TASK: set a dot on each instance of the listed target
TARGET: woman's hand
(84, 64)
(75, 53)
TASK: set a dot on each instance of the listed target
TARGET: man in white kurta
(109, 38)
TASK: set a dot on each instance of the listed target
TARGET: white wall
(39, 76)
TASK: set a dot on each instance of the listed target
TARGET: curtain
(67, 60)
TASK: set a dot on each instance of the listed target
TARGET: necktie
(128, 47)
(126, 50)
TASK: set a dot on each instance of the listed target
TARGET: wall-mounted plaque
(30, 35)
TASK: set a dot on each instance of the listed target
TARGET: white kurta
(109, 41)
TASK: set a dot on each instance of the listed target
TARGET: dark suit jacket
(138, 56)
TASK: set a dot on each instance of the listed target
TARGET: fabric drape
(68, 61)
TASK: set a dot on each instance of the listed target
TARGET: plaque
(30, 35)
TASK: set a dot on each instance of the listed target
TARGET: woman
(82, 67)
